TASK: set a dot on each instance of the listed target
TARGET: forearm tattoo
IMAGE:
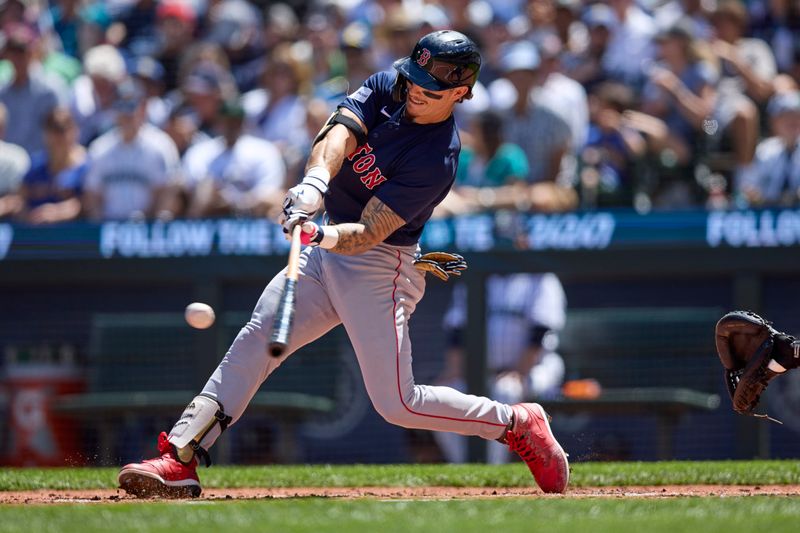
(377, 222)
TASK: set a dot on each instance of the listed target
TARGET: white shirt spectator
(251, 169)
(568, 98)
(28, 105)
(14, 163)
(284, 124)
(630, 47)
(91, 118)
(127, 175)
(774, 170)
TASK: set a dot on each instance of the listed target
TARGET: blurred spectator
(540, 17)
(748, 69)
(14, 163)
(280, 25)
(694, 11)
(205, 88)
(67, 20)
(135, 27)
(327, 60)
(569, 28)
(395, 36)
(235, 173)
(774, 177)
(277, 110)
(491, 173)
(777, 22)
(52, 188)
(492, 38)
(630, 47)
(182, 127)
(150, 74)
(680, 91)
(31, 94)
(539, 130)
(237, 27)
(95, 91)
(355, 44)
(586, 66)
(95, 22)
(176, 21)
(748, 65)
(134, 168)
(525, 313)
(562, 94)
(12, 12)
(607, 174)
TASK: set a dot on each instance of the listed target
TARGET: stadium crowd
(124, 109)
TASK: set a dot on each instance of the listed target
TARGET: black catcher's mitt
(441, 264)
(746, 343)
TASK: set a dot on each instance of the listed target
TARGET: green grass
(707, 515)
(513, 475)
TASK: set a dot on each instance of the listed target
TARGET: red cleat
(163, 476)
(533, 440)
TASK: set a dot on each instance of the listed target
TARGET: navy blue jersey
(409, 167)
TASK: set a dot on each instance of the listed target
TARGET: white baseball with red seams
(388, 290)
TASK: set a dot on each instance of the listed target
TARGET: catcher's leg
(231, 387)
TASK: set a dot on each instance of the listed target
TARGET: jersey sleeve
(368, 100)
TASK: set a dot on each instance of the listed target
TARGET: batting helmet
(441, 60)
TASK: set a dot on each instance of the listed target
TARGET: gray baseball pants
(373, 295)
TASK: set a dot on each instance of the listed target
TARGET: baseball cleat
(163, 476)
(533, 440)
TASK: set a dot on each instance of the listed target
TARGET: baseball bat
(284, 314)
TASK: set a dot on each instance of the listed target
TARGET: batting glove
(307, 196)
(291, 217)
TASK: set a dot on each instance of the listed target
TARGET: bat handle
(284, 314)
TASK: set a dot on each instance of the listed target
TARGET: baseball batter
(381, 164)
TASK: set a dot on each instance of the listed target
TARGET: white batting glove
(307, 196)
(289, 218)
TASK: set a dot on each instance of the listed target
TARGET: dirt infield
(398, 493)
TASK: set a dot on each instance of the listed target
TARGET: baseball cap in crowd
(233, 24)
(520, 55)
(570, 5)
(684, 29)
(129, 95)
(599, 15)
(104, 61)
(177, 9)
(356, 35)
(147, 68)
(784, 103)
(205, 78)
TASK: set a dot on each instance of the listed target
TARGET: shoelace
(521, 446)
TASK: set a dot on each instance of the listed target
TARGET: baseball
(199, 315)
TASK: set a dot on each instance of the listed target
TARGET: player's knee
(394, 411)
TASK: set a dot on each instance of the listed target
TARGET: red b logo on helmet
(424, 56)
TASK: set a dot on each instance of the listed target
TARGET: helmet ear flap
(399, 89)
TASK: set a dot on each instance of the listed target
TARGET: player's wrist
(327, 237)
(317, 177)
(322, 236)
